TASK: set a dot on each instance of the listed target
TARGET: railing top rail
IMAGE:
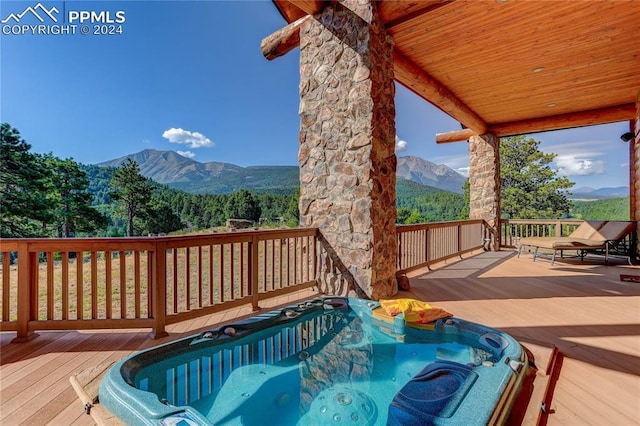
(543, 221)
(149, 243)
(431, 225)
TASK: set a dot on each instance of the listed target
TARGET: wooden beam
(566, 121)
(454, 136)
(414, 78)
(398, 12)
(293, 10)
(284, 40)
(310, 7)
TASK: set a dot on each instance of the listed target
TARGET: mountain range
(176, 171)
(588, 193)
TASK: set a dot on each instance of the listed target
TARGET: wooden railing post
(159, 290)
(253, 270)
(427, 240)
(399, 237)
(26, 288)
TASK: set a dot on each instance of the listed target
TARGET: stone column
(347, 147)
(634, 164)
(484, 183)
(634, 172)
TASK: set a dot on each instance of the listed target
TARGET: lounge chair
(589, 236)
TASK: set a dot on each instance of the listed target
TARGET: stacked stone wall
(347, 147)
(484, 182)
(634, 164)
(634, 172)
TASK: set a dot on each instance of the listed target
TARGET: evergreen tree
(402, 214)
(464, 213)
(414, 218)
(293, 210)
(24, 204)
(242, 205)
(530, 188)
(160, 218)
(133, 191)
(72, 202)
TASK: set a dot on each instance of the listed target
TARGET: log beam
(284, 40)
(410, 75)
(293, 10)
(566, 121)
(544, 124)
(454, 136)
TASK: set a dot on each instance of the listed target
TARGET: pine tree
(133, 191)
(24, 201)
(72, 202)
(530, 188)
(160, 218)
(242, 205)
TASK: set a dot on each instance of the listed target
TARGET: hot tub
(328, 361)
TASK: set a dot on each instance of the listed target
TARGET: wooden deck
(582, 308)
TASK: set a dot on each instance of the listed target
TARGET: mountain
(587, 193)
(176, 171)
(427, 173)
(170, 167)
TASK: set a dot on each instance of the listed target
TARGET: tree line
(45, 196)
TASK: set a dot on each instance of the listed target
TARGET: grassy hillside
(609, 209)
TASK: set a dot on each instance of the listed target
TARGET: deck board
(580, 307)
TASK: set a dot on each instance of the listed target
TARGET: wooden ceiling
(514, 66)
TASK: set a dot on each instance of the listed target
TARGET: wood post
(26, 287)
(159, 290)
(253, 263)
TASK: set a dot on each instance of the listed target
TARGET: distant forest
(608, 209)
(416, 203)
(46, 196)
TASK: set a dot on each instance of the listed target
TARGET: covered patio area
(498, 67)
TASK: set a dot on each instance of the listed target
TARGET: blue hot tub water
(327, 361)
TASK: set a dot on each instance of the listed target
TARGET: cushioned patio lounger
(588, 236)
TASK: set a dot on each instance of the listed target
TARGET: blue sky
(189, 76)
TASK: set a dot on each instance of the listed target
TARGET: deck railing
(512, 230)
(151, 282)
(424, 244)
(53, 284)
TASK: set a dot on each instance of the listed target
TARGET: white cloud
(464, 171)
(570, 165)
(588, 149)
(400, 144)
(579, 158)
(192, 139)
(624, 165)
(460, 163)
(187, 154)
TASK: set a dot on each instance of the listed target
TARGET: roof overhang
(513, 67)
